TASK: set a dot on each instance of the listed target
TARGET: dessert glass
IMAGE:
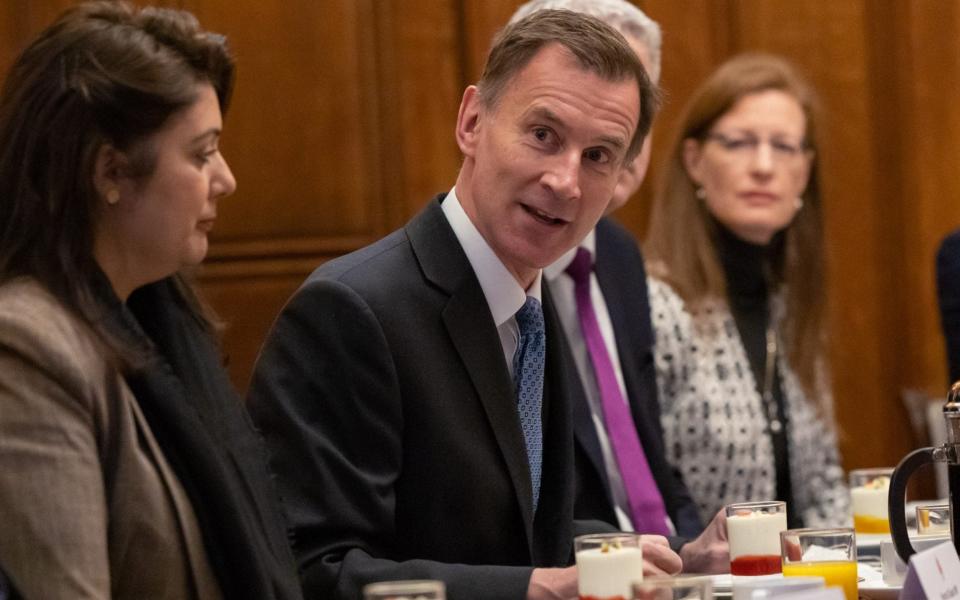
(607, 565)
(869, 491)
(753, 529)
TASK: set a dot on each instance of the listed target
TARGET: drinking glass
(759, 587)
(607, 565)
(405, 590)
(869, 489)
(933, 519)
(680, 587)
(753, 530)
(827, 553)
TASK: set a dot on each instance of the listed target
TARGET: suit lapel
(583, 427)
(474, 335)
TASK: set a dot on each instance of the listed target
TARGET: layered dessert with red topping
(755, 542)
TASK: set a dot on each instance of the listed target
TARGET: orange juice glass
(827, 553)
(835, 573)
(933, 519)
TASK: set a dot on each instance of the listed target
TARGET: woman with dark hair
(737, 297)
(128, 468)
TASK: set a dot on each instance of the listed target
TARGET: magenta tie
(646, 503)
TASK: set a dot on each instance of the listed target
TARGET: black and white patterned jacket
(714, 422)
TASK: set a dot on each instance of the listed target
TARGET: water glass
(405, 590)
(933, 519)
(681, 587)
(757, 588)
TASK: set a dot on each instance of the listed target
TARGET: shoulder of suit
(376, 256)
(949, 251)
(613, 233)
(38, 328)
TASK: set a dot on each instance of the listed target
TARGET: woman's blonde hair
(681, 243)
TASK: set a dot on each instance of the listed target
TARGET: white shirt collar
(560, 265)
(504, 294)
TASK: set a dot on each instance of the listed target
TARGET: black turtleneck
(747, 268)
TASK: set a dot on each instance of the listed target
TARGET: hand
(709, 553)
(553, 584)
(658, 558)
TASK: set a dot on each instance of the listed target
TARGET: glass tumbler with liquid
(827, 553)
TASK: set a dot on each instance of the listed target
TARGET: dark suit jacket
(948, 295)
(622, 279)
(391, 417)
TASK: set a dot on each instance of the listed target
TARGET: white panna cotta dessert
(869, 503)
(607, 572)
(755, 542)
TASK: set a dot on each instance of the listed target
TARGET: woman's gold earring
(701, 193)
(798, 204)
(113, 196)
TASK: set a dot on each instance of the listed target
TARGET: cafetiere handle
(895, 499)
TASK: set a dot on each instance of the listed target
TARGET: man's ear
(692, 159)
(110, 172)
(468, 120)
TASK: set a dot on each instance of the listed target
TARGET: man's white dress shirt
(503, 292)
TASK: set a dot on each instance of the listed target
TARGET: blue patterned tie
(528, 366)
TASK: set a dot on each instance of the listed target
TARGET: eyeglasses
(745, 147)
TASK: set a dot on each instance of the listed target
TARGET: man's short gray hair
(619, 14)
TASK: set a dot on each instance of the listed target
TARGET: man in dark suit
(413, 393)
(948, 298)
(622, 315)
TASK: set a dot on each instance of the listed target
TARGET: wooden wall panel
(421, 79)
(22, 20)
(248, 296)
(927, 83)
(15, 30)
(482, 19)
(303, 133)
(695, 40)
